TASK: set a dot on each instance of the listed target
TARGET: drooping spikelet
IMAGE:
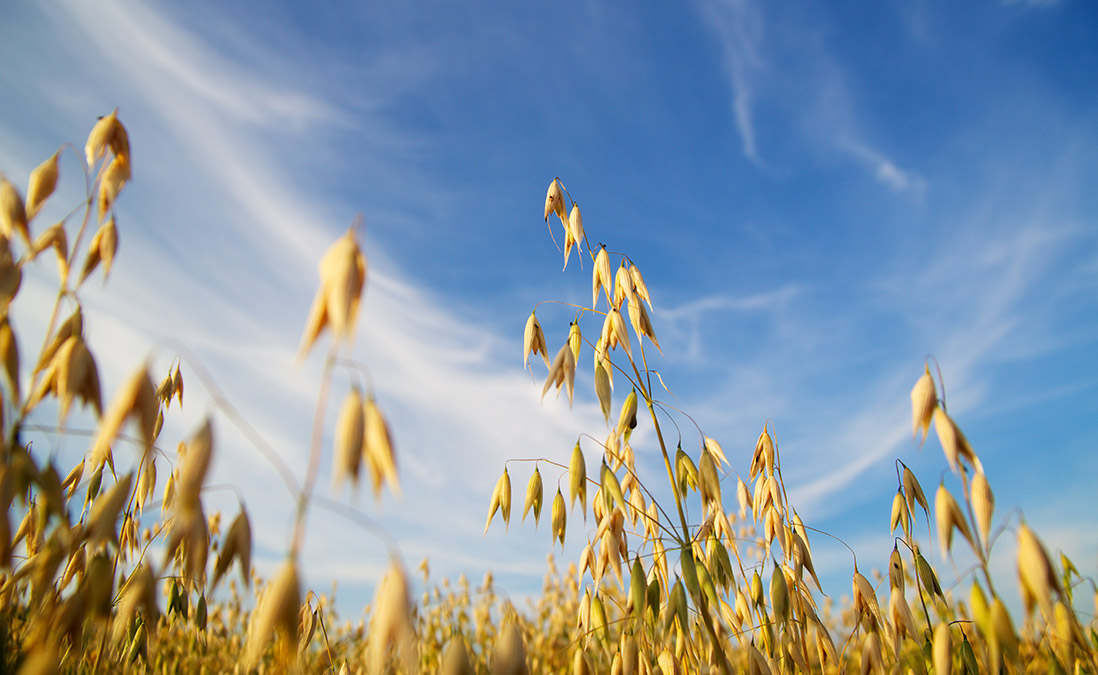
(577, 479)
(562, 372)
(533, 341)
(392, 631)
(509, 654)
(350, 434)
(533, 496)
(43, 181)
(277, 611)
(378, 448)
(948, 516)
(924, 399)
(342, 276)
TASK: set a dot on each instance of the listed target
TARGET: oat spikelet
(554, 200)
(913, 491)
(136, 398)
(763, 459)
(9, 354)
(627, 418)
(716, 450)
(943, 650)
(76, 376)
(194, 467)
(1002, 631)
(501, 500)
(533, 497)
(865, 600)
(378, 446)
(948, 516)
(573, 232)
(139, 592)
(614, 332)
(872, 661)
(743, 496)
(277, 610)
(603, 388)
(11, 274)
(779, 594)
(54, 237)
(577, 479)
(924, 400)
(101, 527)
(601, 279)
(560, 517)
(983, 504)
(108, 132)
(533, 341)
(110, 185)
(73, 325)
(1036, 572)
(896, 570)
(562, 372)
(642, 324)
(103, 246)
(900, 614)
(43, 181)
(13, 213)
(953, 442)
(575, 339)
(350, 433)
(623, 286)
(237, 545)
(342, 277)
(509, 654)
(392, 631)
(455, 659)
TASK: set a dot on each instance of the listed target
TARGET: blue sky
(819, 197)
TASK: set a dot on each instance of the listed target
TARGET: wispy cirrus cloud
(811, 100)
(741, 28)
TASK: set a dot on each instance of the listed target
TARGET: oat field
(114, 565)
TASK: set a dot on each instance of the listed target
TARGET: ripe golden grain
(559, 517)
(110, 185)
(554, 199)
(108, 132)
(13, 213)
(533, 340)
(455, 660)
(601, 278)
(277, 610)
(378, 448)
(639, 286)
(509, 654)
(533, 497)
(924, 400)
(392, 631)
(562, 372)
(102, 522)
(577, 479)
(1035, 571)
(43, 181)
(953, 442)
(350, 434)
(983, 504)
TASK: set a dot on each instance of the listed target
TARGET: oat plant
(695, 585)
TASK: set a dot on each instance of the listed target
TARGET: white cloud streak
(812, 99)
(740, 25)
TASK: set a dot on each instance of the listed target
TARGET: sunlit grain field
(115, 564)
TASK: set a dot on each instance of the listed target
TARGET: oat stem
(315, 451)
